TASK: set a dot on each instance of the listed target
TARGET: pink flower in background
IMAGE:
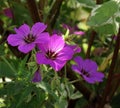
(26, 38)
(88, 70)
(37, 77)
(55, 53)
(8, 12)
(73, 30)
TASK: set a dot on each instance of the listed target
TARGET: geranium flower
(8, 12)
(75, 48)
(88, 70)
(73, 30)
(55, 53)
(26, 38)
(37, 77)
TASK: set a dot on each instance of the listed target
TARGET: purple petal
(41, 58)
(64, 55)
(90, 65)
(26, 47)
(98, 76)
(23, 30)
(37, 77)
(15, 40)
(38, 28)
(76, 69)
(76, 48)
(43, 47)
(89, 79)
(8, 12)
(42, 38)
(56, 43)
(65, 26)
(79, 61)
(57, 64)
(79, 33)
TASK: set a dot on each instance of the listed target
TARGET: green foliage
(103, 18)
(55, 90)
(21, 13)
(88, 3)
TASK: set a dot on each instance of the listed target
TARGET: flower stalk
(106, 93)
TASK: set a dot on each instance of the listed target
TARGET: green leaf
(21, 13)
(76, 95)
(46, 87)
(25, 95)
(102, 13)
(62, 103)
(88, 3)
(5, 70)
(108, 29)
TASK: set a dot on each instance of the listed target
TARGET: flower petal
(42, 38)
(79, 61)
(56, 43)
(76, 69)
(98, 76)
(41, 59)
(57, 64)
(79, 33)
(38, 28)
(15, 39)
(90, 80)
(37, 77)
(23, 30)
(90, 65)
(26, 47)
(76, 48)
(64, 55)
(43, 47)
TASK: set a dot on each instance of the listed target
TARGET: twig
(107, 90)
(53, 14)
(91, 40)
(41, 8)
(33, 10)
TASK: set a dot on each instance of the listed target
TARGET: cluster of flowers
(52, 50)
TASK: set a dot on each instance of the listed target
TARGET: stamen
(85, 73)
(51, 55)
(29, 39)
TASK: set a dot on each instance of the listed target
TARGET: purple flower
(37, 77)
(8, 12)
(26, 38)
(55, 53)
(79, 33)
(88, 70)
(75, 48)
(73, 30)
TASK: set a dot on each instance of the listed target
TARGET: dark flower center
(51, 55)
(29, 39)
(85, 73)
